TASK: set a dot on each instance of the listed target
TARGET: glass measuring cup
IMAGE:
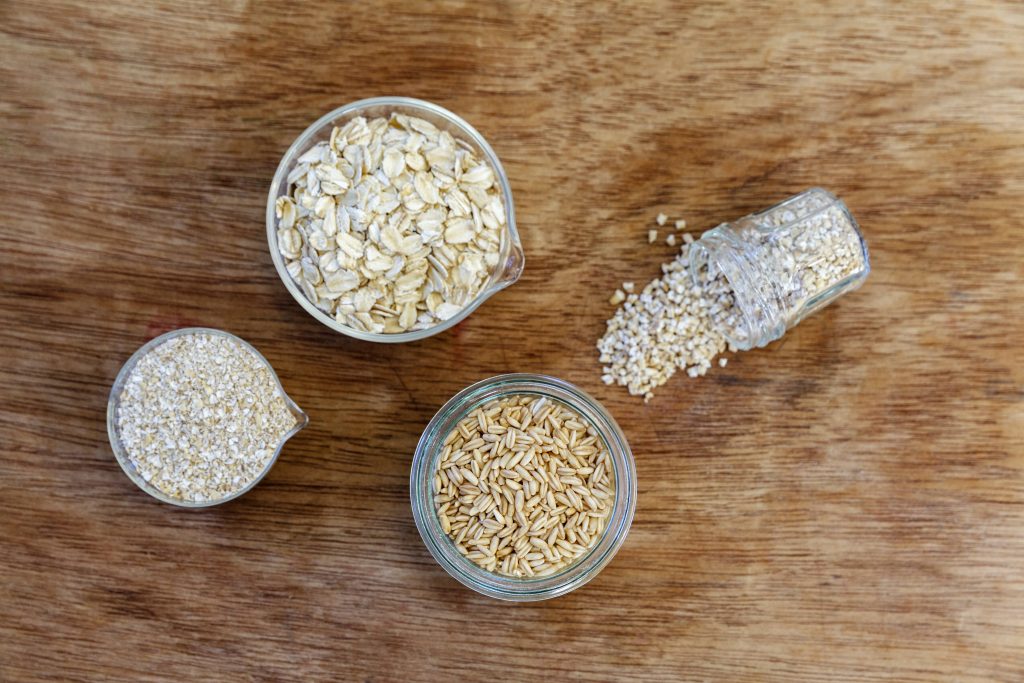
(511, 258)
(114, 432)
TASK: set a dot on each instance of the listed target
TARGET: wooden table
(845, 505)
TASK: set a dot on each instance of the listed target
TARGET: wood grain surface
(845, 505)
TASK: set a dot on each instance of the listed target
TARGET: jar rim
(721, 249)
(440, 546)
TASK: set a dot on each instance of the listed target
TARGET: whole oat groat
(391, 225)
(200, 416)
(524, 486)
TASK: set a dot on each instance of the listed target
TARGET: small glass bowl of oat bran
(523, 487)
(391, 219)
(197, 417)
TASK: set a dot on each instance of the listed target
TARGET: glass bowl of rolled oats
(197, 417)
(391, 219)
(523, 487)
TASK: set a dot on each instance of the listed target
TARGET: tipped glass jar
(779, 265)
(543, 527)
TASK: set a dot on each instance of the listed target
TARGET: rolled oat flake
(779, 265)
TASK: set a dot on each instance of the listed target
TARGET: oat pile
(666, 327)
(524, 486)
(391, 225)
(200, 416)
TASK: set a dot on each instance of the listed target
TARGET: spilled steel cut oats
(670, 325)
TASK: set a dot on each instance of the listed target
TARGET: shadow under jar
(510, 261)
(429, 452)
